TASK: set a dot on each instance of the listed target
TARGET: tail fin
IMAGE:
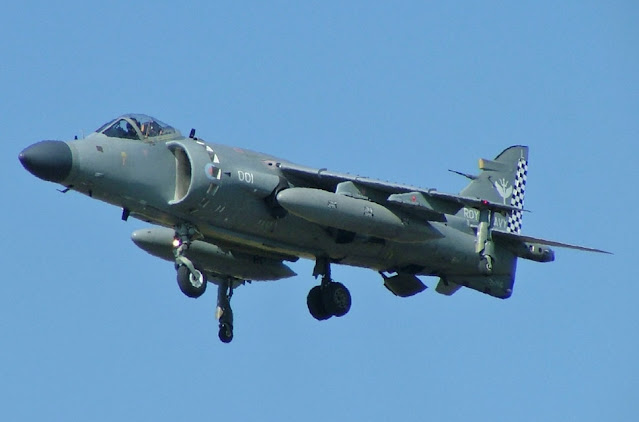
(503, 180)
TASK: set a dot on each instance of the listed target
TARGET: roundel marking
(211, 171)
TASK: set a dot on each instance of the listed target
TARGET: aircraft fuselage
(231, 206)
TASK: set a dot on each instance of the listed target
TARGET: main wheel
(315, 304)
(337, 299)
(226, 332)
(191, 284)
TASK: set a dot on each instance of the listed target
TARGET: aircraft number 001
(245, 176)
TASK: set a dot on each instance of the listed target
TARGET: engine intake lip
(183, 172)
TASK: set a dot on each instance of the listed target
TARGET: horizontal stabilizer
(496, 285)
(528, 239)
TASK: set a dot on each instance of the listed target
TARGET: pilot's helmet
(154, 129)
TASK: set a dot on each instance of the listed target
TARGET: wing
(429, 203)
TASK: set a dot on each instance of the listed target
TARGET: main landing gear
(329, 298)
(224, 313)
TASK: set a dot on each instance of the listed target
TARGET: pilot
(130, 132)
(151, 129)
(122, 129)
(134, 120)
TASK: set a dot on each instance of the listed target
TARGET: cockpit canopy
(137, 126)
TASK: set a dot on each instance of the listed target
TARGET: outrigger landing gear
(486, 265)
(224, 313)
(329, 298)
(485, 246)
(192, 282)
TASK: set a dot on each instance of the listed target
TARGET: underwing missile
(353, 214)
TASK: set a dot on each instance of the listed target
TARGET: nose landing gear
(192, 282)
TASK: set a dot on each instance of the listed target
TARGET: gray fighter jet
(227, 215)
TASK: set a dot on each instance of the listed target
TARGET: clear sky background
(93, 328)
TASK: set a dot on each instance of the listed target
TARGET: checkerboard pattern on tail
(517, 199)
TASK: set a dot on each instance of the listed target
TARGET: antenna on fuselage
(192, 134)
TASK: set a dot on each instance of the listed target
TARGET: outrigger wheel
(486, 265)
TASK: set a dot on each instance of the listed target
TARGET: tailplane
(501, 181)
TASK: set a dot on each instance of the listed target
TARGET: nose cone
(48, 160)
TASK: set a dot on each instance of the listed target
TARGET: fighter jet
(226, 215)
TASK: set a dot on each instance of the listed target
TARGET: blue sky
(93, 328)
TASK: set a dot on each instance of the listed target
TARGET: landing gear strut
(192, 282)
(224, 313)
(330, 298)
(485, 246)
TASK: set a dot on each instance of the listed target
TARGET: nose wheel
(191, 281)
